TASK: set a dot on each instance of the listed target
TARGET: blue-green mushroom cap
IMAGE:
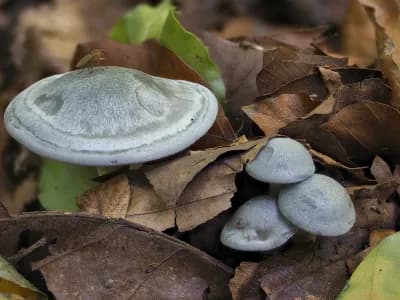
(110, 116)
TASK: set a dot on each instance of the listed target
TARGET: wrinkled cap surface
(110, 116)
(257, 226)
(281, 160)
(319, 205)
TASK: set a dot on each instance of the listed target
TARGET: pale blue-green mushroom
(319, 205)
(106, 116)
(281, 161)
(257, 226)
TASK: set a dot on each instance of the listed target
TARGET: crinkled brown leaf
(239, 67)
(381, 170)
(169, 188)
(201, 187)
(243, 273)
(358, 36)
(272, 114)
(95, 258)
(366, 129)
(282, 66)
(385, 16)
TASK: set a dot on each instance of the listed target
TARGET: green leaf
(60, 183)
(378, 275)
(159, 22)
(12, 284)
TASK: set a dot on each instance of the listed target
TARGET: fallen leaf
(109, 199)
(13, 284)
(201, 189)
(282, 66)
(96, 258)
(326, 160)
(169, 188)
(381, 170)
(366, 129)
(208, 194)
(378, 271)
(385, 16)
(353, 262)
(272, 114)
(60, 183)
(239, 67)
(243, 273)
(378, 235)
(358, 36)
(149, 57)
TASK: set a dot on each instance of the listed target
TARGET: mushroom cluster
(106, 116)
(312, 202)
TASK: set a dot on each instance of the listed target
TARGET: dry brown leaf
(315, 269)
(282, 66)
(353, 262)
(366, 129)
(95, 258)
(358, 36)
(385, 15)
(200, 189)
(239, 67)
(169, 188)
(326, 160)
(272, 114)
(109, 199)
(208, 194)
(243, 273)
(381, 170)
(376, 236)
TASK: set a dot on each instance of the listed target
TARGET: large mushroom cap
(319, 205)
(257, 226)
(110, 116)
(281, 160)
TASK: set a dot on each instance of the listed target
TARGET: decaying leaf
(115, 260)
(379, 271)
(378, 235)
(385, 16)
(272, 114)
(239, 67)
(381, 170)
(12, 284)
(366, 129)
(243, 273)
(201, 188)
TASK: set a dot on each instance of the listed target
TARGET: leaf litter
(339, 99)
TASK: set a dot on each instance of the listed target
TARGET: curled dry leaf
(201, 188)
(282, 66)
(243, 273)
(239, 67)
(95, 258)
(366, 129)
(272, 114)
(385, 16)
(381, 170)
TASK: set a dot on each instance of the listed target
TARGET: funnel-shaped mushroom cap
(257, 226)
(319, 205)
(110, 116)
(281, 160)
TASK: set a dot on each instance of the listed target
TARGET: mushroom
(105, 116)
(257, 226)
(319, 205)
(281, 161)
